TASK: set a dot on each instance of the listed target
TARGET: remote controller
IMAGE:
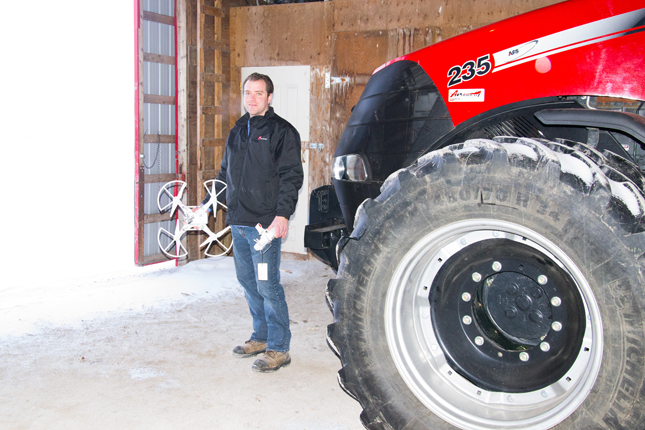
(266, 236)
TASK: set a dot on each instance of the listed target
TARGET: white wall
(67, 127)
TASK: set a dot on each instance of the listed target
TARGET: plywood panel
(360, 16)
(369, 15)
(359, 53)
(299, 34)
(356, 55)
(282, 35)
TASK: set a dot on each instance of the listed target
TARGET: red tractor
(487, 224)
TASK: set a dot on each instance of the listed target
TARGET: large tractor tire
(496, 285)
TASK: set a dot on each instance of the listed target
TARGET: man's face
(256, 99)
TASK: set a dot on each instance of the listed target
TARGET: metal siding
(165, 199)
(159, 158)
(158, 119)
(163, 7)
(150, 198)
(150, 201)
(164, 153)
(150, 246)
(158, 38)
(158, 79)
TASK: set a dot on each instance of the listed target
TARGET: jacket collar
(257, 120)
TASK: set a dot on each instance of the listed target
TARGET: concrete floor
(169, 366)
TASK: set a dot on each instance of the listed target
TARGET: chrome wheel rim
(421, 357)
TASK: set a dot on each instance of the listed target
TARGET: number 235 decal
(469, 70)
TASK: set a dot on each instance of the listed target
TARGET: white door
(291, 96)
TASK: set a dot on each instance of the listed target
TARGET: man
(262, 169)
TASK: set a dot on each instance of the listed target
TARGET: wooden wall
(203, 92)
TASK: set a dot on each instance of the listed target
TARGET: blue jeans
(265, 298)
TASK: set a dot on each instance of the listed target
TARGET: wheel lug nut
(544, 346)
(510, 313)
(524, 356)
(512, 289)
(466, 297)
(467, 320)
(556, 301)
(497, 266)
(477, 277)
(542, 279)
(479, 341)
(557, 326)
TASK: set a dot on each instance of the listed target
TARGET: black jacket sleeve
(289, 171)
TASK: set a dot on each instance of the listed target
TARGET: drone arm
(215, 194)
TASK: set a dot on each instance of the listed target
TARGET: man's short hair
(260, 77)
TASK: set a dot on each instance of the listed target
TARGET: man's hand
(280, 225)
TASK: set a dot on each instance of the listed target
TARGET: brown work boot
(271, 361)
(250, 348)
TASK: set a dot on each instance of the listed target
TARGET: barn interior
(189, 92)
(162, 360)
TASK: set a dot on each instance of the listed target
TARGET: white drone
(191, 221)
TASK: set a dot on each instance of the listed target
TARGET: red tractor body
(579, 47)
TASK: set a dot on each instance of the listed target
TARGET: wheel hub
(518, 320)
(516, 306)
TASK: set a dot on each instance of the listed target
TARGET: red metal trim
(176, 113)
(176, 102)
(137, 26)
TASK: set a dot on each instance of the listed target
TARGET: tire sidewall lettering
(502, 195)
